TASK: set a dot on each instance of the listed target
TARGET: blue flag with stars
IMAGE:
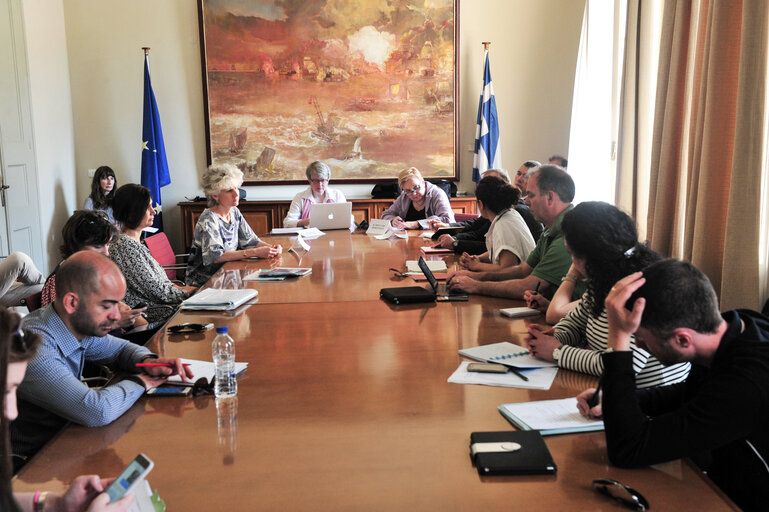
(488, 154)
(154, 165)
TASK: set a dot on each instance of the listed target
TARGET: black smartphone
(134, 473)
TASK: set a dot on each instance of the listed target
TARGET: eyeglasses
(188, 328)
(202, 387)
(414, 190)
(628, 496)
(398, 273)
(316, 181)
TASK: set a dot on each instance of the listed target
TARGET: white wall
(534, 48)
(52, 119)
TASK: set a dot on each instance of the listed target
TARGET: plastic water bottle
(223, 351)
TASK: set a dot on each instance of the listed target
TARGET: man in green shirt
(550, 192)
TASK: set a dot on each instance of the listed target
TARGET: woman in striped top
(603, 243)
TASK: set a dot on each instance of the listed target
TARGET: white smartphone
(131, 475)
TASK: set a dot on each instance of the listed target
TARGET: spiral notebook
(505, 352)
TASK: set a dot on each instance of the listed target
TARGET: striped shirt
(52, 393)
(584, 340)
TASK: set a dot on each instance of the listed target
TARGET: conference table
(345, 405)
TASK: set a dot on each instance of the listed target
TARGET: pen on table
(512, 368)
(594, 399)
(167, 365)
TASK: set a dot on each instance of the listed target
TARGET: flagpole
(485, 44)
(146, 53)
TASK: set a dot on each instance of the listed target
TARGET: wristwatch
(455, 244)
(557, 354)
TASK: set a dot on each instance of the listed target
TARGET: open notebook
(219, 300)
(200, 369)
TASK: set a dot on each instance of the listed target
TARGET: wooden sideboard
(265, 215)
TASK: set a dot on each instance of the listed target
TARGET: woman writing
(147, 282)
(318, 174)
(603, 243)
(419, 203)
(508, 240)
(86, 492)
(221, 233)
(103, 188)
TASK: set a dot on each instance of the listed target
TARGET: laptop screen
(428, 274)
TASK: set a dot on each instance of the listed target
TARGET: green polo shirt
(551, 261)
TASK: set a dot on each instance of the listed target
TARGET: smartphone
(170, 391)
(140, 305)
(486, 368)
(131, 475)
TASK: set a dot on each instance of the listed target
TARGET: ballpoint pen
(594, 399)
(513, 369)
(534, 303)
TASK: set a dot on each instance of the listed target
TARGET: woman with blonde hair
(420, 203)
(221, 233)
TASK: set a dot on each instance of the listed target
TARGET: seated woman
(508, 240)
(419, 203)
(318, 174)
(147, 282)
(85, 493)
(603, 243)
(221, 233)
(19, 277)
(103, 188)
(89, 230)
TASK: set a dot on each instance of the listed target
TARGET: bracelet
(570, 278)
(38, 502)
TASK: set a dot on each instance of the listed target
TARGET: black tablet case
(532, 459)
(407, 295)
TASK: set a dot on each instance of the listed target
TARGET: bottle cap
(222, 329)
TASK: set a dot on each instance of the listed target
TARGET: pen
(594, 399)
(512, 368)
(167, 365)
(536, 290)
(534, 303)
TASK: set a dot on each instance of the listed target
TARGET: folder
(511, 453)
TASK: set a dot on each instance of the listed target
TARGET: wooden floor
(345, 406)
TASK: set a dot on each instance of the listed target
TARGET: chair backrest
(33, 301)
(461, 217)
(161, 250)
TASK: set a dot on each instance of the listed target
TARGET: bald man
(74, 328)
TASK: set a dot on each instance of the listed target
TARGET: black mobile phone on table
(126, 481)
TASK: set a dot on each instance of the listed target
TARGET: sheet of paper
(219, 299)
(200, 369)
(433, 265)
(505, 352)
(286, 231)
(427, 234)
(539, 378)
(551, 416)
(519, 312)
(435, 250)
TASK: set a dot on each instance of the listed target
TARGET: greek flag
(154, 165)
(487, 151)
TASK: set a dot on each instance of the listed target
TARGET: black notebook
(521, 452)
(407, 294)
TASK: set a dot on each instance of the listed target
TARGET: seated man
(18, 278)
(550, 191)
(74, 328)
(719, 416)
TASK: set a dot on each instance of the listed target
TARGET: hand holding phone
(127, 480)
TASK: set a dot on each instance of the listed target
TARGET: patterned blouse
(213, 237)
(147, 281)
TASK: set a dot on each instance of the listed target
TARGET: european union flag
(488, 154)
(154, 165)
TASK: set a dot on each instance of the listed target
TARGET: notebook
(330, 215)
(200, 369)
(215, 299)
(511, 453)
(446, 231)
(519, 312)
(505, 352)
(549, 417)
(433, 265)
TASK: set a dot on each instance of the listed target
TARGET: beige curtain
(707, 148)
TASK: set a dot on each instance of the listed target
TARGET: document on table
(433, 265)
(286, 231)
(311, 233)
(539, 378)
(505, 352)
(219, 299)
(200, 369)
(549, 417)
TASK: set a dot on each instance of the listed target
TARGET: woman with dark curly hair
(103, 188)
(603, 243)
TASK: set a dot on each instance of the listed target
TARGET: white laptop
(330, 215)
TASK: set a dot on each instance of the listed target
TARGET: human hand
(101, 503)
(128, 316)
(535, 300)
(445, 241)
(411, 225)
(462, 282)
(624, 323)
(397, 222)
(175, 367)
(263, 251)
(436, 224)
(584, 407)
(541, 344)
(467, 260)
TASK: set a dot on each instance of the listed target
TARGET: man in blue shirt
(75, 329)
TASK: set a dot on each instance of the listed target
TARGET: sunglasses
(628, 496)
(188, 327)
(202, 387)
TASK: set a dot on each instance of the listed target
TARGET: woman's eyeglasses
(187, 328)
(628, 496)
(412, 191)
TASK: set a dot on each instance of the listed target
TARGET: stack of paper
(276, 274)
(433, 265)
(200, 369)
(214, 299)
(436, 250)
(549, 417)
(519, 312)
(539, 378)
(286, 231)
(507, 353)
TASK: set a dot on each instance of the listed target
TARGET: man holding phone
(75, 329)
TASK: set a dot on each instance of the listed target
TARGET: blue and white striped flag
(488, 154)
(154, 165)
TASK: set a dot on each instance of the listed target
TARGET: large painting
(367, 86)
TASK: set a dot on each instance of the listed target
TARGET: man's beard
(84, 324)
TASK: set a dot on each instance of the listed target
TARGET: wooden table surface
(345, 406)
